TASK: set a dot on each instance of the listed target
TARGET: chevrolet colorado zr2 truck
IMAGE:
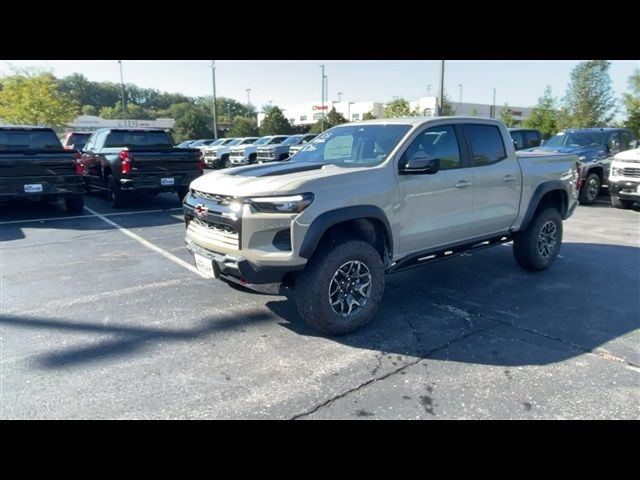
(374, 197)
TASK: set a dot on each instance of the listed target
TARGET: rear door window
(486, 144)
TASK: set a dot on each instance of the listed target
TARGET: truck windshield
(29, 140)
(292, 140)
(576, 139)
(136, 139)
(353, 145)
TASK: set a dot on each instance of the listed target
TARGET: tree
(275, 123)
(191, 125)
(89, 110)
(474, 113)
(243, 127)
(34, 99)
(332, 119)
(397, 108)
(448, 108)
(545, 115)
(506, 115)
(590, 100)
(631, 103)
(369, 116)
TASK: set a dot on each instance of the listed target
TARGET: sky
(288, 83)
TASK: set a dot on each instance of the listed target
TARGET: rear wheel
(590, 189)
(341, 287)
(537, 247)
(617, 202)
(74, 204)
(116, 197)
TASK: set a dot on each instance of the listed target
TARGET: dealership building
(310, 113)
(91, 122)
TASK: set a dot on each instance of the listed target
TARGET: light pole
(441, 92)
(460, 98)
(493, 105)
(429, 90)
(124, 114)
(248, 97)
(339, 97)
(322, 101)
(215, 116)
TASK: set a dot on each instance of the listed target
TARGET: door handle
(508, 178)
(463, 184)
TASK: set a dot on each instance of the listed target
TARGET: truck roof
(23, 127)
(419, 120)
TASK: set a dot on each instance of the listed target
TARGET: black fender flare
(328, 219)
(541, 191)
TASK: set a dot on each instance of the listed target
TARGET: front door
(436, 208)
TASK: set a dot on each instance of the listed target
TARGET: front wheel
(617, 202)
(537, 247)
(341, 287)
(590, 189)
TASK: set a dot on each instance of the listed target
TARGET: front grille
(237, 154)
(631, 172)
(220, 199)
(224, 235)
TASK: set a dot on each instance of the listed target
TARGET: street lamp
(339, 97)
(429, 90)
(441, 92)
(460, 98)
(124, 114)
(248, 97)
(215, 116)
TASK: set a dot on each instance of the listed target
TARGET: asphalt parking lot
(103, 317)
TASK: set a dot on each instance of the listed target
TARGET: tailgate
(164, 162)
(37, 164)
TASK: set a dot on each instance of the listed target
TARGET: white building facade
(310, 113)
(91, 122)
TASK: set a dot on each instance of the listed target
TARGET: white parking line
(88, 216)
(148, 244)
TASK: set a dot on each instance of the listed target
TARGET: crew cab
(281, 151)
(624, 179)
(595, 148)
(35, 166)
(122, 161)
(373, 197)
(247, 154)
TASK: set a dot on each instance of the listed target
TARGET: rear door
(497, 184)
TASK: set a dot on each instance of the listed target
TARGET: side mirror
(420, 164)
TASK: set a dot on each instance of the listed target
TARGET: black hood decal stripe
(272, 169)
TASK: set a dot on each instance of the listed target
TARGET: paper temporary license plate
(167, 181)
(33, 188)
(205, 265)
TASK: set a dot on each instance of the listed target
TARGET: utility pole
(459, 99)
(322, 106)
(124, 114)
(441, 92)
(215, 112)
(493, 105)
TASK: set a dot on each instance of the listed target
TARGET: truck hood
(590, 152)
(266, 179)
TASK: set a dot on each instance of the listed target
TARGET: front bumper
(625, 189)
(239, 160)
(240, 269)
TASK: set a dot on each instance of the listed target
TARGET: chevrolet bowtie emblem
(201, 209)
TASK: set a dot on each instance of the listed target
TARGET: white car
(624, 179)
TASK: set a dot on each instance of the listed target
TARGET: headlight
(616, 171)
(285, 204)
